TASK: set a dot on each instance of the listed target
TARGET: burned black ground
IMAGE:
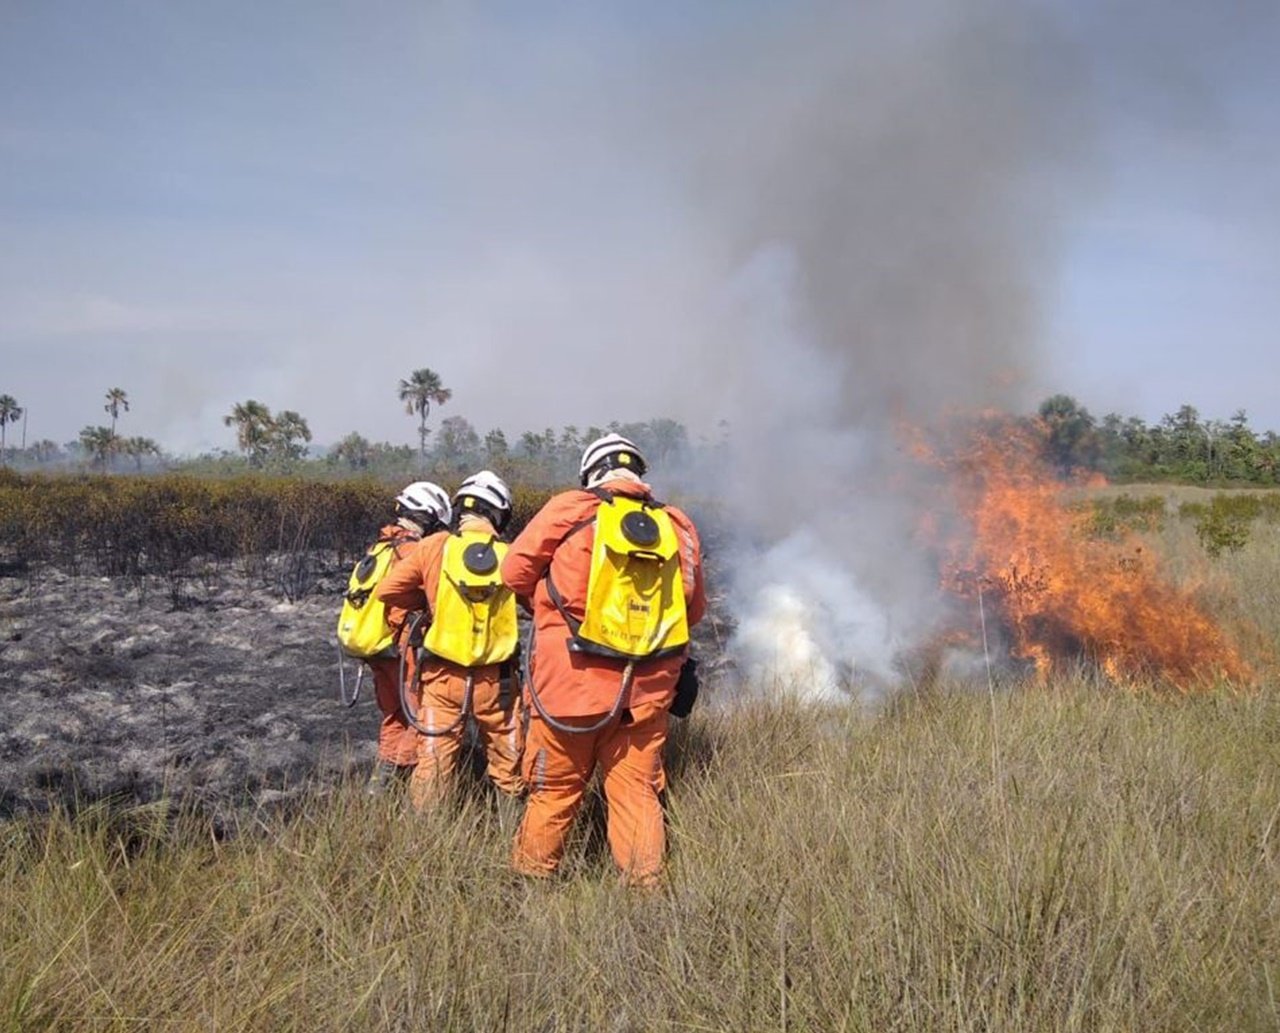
(115, 688)
(221, 696)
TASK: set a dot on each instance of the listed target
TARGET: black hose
(628, 673)
(409, 715)
(342, 680)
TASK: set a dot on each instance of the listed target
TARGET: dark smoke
(887, 183)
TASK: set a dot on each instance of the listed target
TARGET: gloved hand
(417, 625)
(686, 689)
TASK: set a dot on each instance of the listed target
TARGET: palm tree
(138, 448)
(116, 400)
(101, 443)
(418, 392)
(254, 425)
(289, 435)
(10, 412)
(45, 451)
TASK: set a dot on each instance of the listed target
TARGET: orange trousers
(557, 768)
(397, 741)
(497, 717)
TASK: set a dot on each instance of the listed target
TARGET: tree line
(1181, 446)
(96, 446)
(281, 442)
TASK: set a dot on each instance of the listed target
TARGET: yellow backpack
(635, 606)
(473, 618)
(362, 624)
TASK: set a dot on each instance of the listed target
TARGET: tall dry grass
(1064, 859)
(1240, 587)
(1057, 857)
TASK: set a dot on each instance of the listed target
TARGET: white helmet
(611, 452)
(425, 503)
(489, 492)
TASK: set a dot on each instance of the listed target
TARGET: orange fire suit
(412, 584)
(397, 741)
(580, 688)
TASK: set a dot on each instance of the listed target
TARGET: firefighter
(468, 661)
(422, 508)
(614, 580)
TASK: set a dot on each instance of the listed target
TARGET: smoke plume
(885, 184)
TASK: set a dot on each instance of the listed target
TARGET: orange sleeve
(404, 585)
(403, 543)
(530, 554)
(695, 592)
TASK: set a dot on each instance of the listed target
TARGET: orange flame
(1060, 595)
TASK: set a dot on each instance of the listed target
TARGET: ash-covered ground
(220, 694)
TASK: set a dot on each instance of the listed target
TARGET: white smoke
(806, 628)
(820, 570)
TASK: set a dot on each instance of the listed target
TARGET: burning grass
(1058, 591)
(1065, 860)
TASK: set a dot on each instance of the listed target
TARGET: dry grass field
(1241, 588)
(1061, 856)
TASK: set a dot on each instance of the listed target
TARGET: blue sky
(1170, 287)
(302, 202)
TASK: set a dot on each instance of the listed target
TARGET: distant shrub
(1147, 512)
(134, 526)
(525, 503)
(1192, 510)
(1244, 508)
(1106, 518)
(1224, 525)
(1239, 508)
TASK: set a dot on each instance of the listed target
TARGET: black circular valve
(480, 558)
(640, 529)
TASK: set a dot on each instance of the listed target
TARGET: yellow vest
(473, 619)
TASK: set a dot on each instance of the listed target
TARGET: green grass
(1057, 860)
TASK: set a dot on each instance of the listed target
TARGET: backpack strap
(553, 593)
(431, 603)
(604, 495)
(395, 542)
